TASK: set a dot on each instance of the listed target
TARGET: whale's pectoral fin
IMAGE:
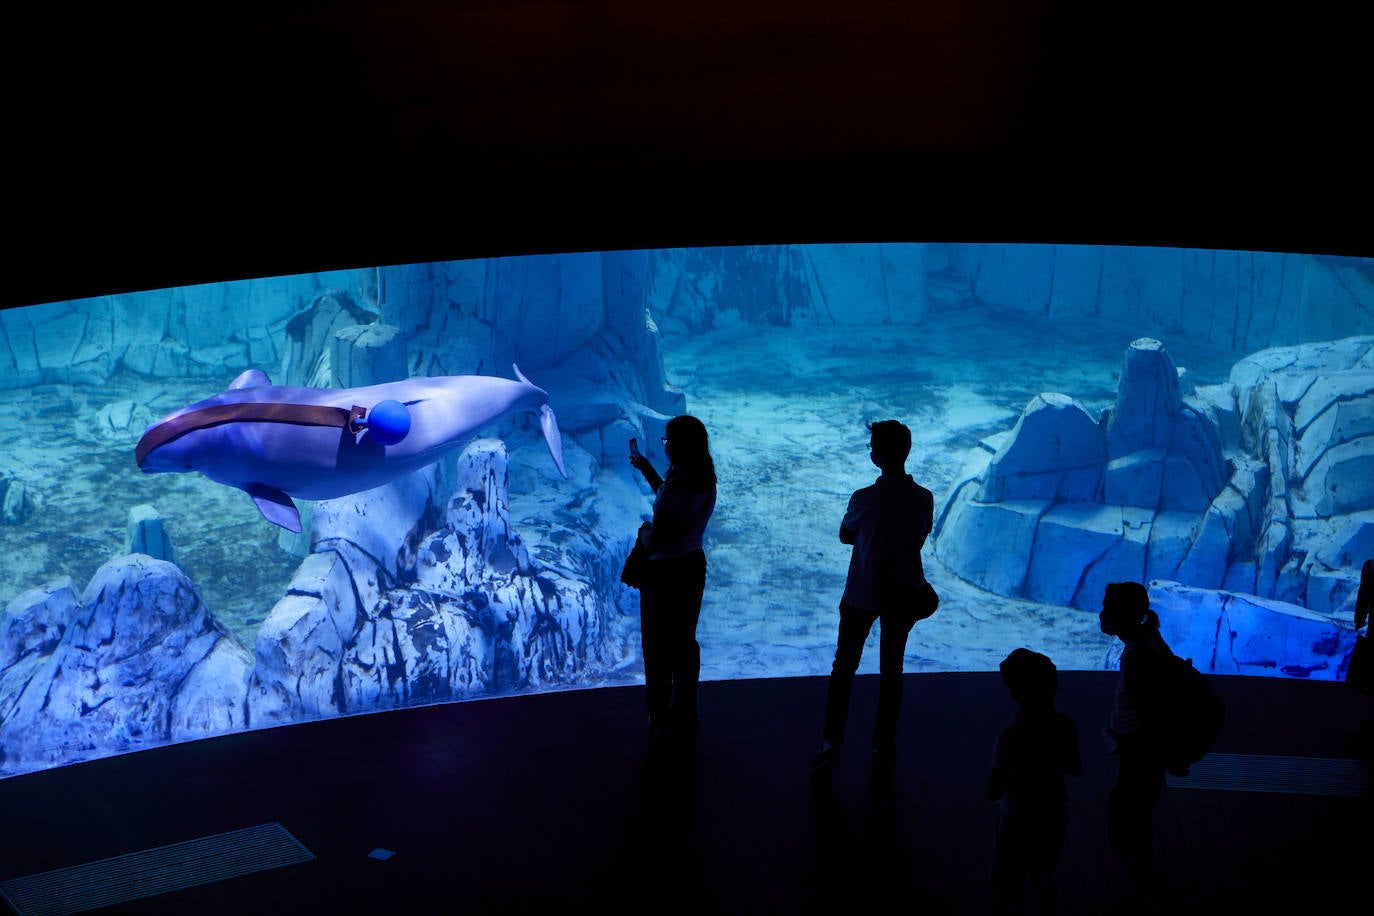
(549, 424)
(275, 506)
(250, 378)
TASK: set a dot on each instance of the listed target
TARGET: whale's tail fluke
(549, 424)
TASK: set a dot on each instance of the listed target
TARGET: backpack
(1187, 715)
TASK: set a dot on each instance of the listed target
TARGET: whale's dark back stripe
(248, 412)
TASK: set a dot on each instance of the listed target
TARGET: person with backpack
(1136, 737)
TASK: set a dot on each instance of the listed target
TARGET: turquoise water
(422, 592)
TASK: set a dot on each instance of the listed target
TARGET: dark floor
(553, 804)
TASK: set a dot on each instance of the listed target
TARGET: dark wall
(291, 136)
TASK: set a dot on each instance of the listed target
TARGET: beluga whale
(278, 442)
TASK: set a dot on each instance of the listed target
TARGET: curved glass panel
(251, 503)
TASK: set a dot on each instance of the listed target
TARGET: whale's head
(166, 448)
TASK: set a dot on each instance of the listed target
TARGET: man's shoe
(826, 759)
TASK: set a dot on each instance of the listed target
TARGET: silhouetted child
(1030, 758)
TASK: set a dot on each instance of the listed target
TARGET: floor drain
(1291, 775)
(153, 871)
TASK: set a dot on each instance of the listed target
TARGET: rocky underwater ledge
(462, 608)
(1247, 507)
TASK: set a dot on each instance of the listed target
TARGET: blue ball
(388, 422)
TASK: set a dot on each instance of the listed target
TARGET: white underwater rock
(366, 354)
(463, 610)
(16, 502)
(136, 661)
(1056, 452)
(147, 534)
(1250, 487)
(1229, 633)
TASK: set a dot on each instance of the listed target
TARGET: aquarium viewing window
(252, 503)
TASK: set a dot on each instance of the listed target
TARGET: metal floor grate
(153, 871)
(1290, 775)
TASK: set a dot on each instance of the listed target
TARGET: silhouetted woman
(1140, 766)
(670, 597)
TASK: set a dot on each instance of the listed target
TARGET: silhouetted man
(887, 524)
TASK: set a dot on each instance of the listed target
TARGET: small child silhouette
(1031, 756)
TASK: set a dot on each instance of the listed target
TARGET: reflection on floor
(555, 803)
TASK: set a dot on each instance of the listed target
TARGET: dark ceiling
(147, 151)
